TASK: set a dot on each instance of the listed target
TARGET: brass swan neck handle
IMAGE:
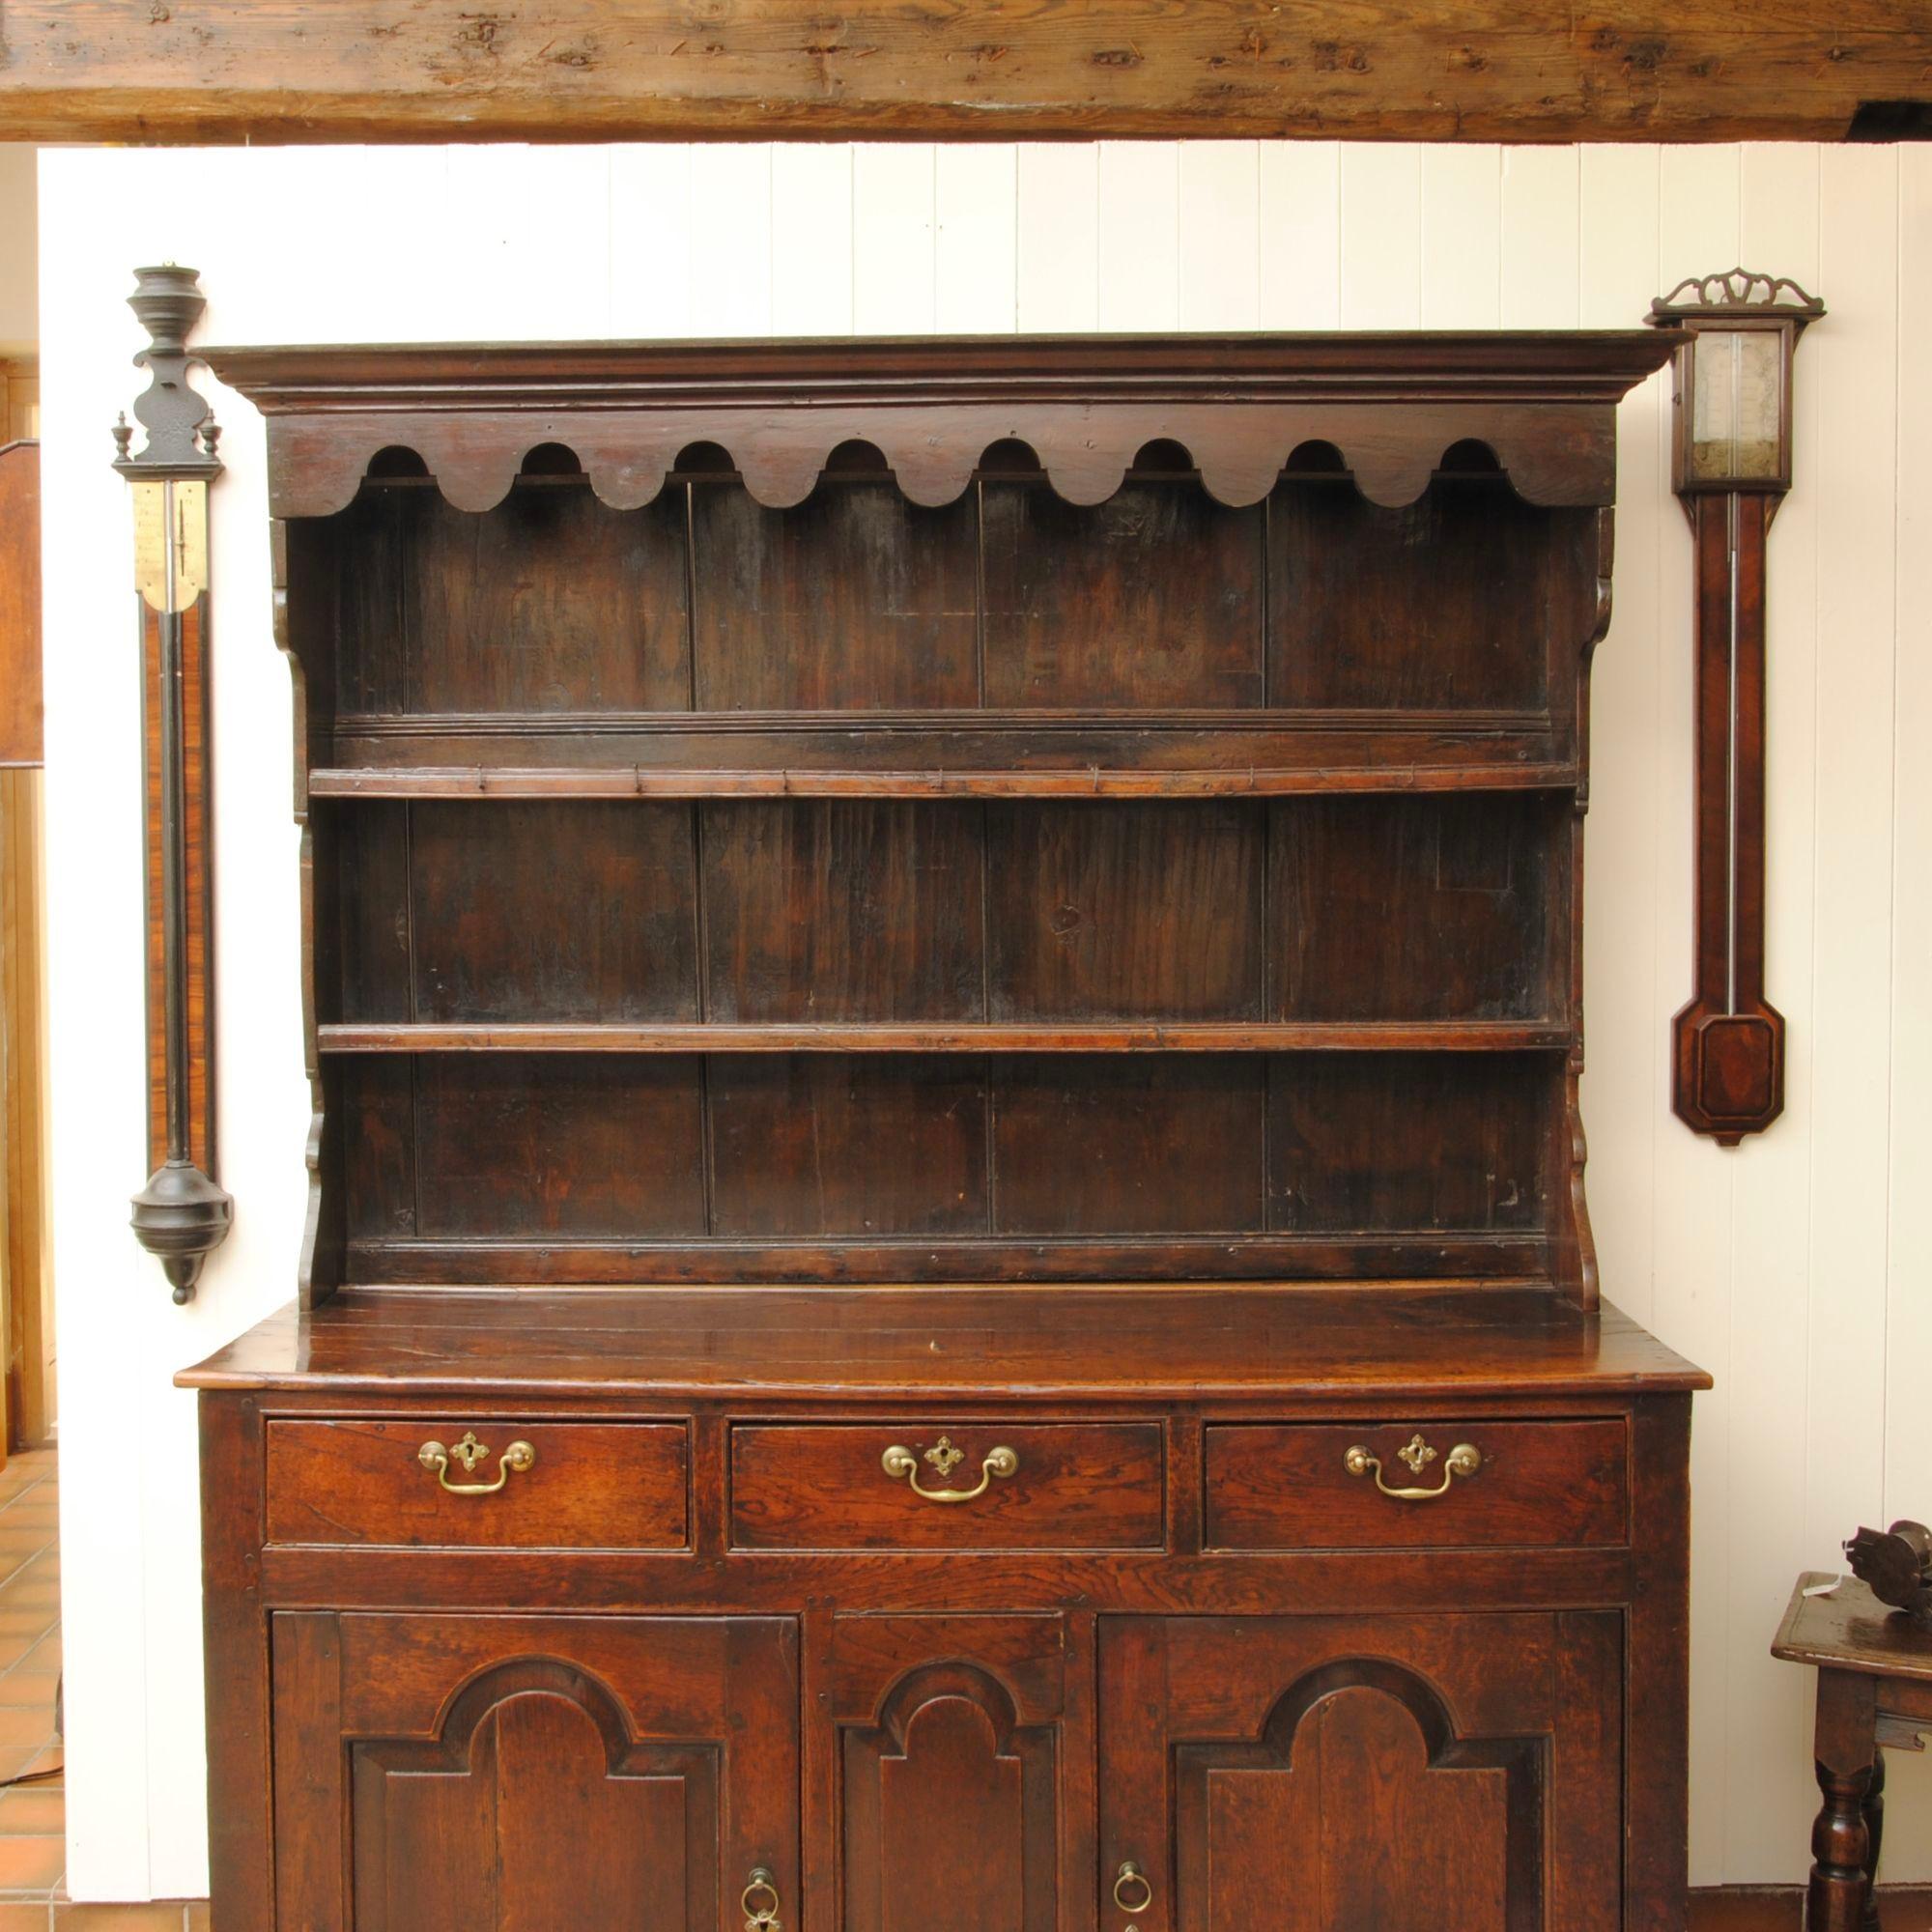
(470, 1452)
(901, 1464)
(1465, 1460)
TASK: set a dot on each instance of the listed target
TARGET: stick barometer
(181, 1215)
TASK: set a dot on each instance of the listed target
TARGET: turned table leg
(1874, 1810)
(1841, 1840)
(1836, 1901)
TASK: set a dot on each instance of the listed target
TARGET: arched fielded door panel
(955, 1770)
(479, 1774)
(1427, 1773)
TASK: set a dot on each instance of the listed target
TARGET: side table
(1875, 1691)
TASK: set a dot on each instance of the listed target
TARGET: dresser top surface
(1099, 1344)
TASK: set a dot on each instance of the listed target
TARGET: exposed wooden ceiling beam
(179, 71)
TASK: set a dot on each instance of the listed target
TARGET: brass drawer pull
(433, 1456)
(1128, 1874)
(1465, 1460)
(761, 1919)
(899, 1461)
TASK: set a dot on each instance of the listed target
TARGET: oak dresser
(947, 1285)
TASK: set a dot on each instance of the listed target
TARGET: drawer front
(951, 1485)
(584, 1485)
(1304, 1487)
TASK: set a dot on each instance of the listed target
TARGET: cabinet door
(518, 1774)
(1363, 1773)
(964, 1790)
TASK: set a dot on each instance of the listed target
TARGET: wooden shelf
(1507, 1258)
(1123, 1036)
(483, 781)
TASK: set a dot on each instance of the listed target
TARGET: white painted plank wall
(1798, 1270)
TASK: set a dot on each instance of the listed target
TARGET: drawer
(951, 1485)
(587, 1484)
(1296, 1485)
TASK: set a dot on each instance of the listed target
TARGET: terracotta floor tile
(28, 1726)
(33, 1807)
(169, 1912)
(120, 1918)
(32, 1864)
(24, 1918)
(44, 1653)
(31, 1689)
(197, 1915)
(27, 1623)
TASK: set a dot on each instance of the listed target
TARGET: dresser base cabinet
(1455, 1708)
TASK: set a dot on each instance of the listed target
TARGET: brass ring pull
(470, 1452)
(899, 1463)
(761, 1919)
(1465, 1460)
(1128, 1874)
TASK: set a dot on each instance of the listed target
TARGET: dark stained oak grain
(854, 911)
(481, 1764)
(1153, 597)
(1133, 1145)
(1418, 1141)
(854, 600)
(1025, 893)
(959, 1742)
(444, 611)
(591, 1487)
(815, 1145)
(1079, 1486)
(730, 1036)
(1395, 1773)
(1124, 912)
(604, 1147)
(1435, 908)
(1288, 1487)
(1158, 1343)
(1469, 598)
